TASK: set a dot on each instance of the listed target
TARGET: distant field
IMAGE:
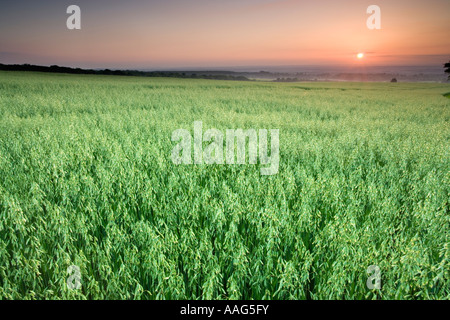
(86, 179)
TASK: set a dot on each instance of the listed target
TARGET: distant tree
(447, 65)
(394, 80)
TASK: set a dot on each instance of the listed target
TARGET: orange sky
(203, 33)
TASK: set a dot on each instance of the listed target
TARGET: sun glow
(360, 55)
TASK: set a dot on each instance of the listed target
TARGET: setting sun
(360, 55)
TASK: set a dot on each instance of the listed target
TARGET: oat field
(87, 180)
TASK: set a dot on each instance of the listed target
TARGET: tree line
(136, 73)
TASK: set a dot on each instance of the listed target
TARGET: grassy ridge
(86, 179)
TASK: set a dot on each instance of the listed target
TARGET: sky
(160, 34)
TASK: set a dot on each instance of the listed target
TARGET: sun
(360, 55)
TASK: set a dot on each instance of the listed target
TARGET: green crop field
(87, 179)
